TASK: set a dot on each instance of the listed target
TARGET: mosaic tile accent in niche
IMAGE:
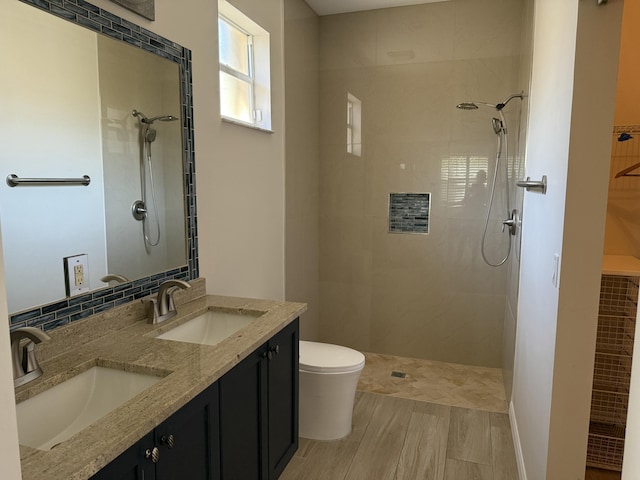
(409, 212)
(75, 308)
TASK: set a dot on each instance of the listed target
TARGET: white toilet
(328, 380)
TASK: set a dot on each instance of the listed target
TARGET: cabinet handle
(153, 454)
(274, 351)
(169, 441)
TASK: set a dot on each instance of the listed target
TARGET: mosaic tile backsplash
(409, 212)
(75, 308)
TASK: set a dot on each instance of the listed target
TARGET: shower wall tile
(334, 85)
(487, 28)
(346, 314)
(415, 34)
(484, 80)
(348, 40)
(345, 249)
(404, 167)
(344, 182)
(410, 315)
(413, 103)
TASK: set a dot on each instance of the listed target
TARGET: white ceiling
(331, 7)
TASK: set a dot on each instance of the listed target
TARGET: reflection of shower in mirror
(139, 208)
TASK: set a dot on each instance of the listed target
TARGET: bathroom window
(245, 69)
(354, 125)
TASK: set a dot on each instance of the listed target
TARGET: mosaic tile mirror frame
(74, 308)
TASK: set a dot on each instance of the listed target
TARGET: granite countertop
(187, 369)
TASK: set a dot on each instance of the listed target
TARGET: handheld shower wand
(500, 129)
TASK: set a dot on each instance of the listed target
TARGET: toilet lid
(328, 358)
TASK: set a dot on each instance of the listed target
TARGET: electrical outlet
(76, 274)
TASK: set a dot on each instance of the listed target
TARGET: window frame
(259, 78)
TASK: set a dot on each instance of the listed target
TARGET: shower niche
(612, 371)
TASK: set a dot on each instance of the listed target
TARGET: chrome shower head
(467, 106)
(143, 118)
(474, 105)
(499, 106)
(162, 118)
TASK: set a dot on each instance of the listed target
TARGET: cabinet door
(188, 440)
(283, 398)
(132, 464)
(243, 419)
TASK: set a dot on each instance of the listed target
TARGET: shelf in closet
(606, 446)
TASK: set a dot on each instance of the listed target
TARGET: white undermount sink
(210, 328)
(55, 415)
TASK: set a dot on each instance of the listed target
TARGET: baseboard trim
(522, 473)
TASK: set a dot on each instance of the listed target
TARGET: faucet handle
(29, 360)
(25, 363)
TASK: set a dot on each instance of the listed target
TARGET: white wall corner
(517, 446)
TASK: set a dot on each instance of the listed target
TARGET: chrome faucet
(25, 363)
(163, 305)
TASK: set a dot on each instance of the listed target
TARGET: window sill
(246, 125)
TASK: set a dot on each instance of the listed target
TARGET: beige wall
(302, 160)
(426, 296)
(571, 114)
(623, 211)
(241, 177)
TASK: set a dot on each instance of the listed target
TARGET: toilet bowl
(328, 380)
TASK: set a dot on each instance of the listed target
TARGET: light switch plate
(555, 278)
(76, 274)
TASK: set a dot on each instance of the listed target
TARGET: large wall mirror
(89, 93)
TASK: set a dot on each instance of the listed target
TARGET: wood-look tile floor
(399, 439)
(441, 422)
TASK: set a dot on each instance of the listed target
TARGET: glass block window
(409, 212)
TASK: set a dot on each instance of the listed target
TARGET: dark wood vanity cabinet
(184, 446)
(259, 410)
(132, 464)
(243, 427)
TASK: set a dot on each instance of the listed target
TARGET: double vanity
(209, 393)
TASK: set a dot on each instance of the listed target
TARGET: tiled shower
(388, 290)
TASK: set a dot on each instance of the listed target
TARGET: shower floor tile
(451, 384)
